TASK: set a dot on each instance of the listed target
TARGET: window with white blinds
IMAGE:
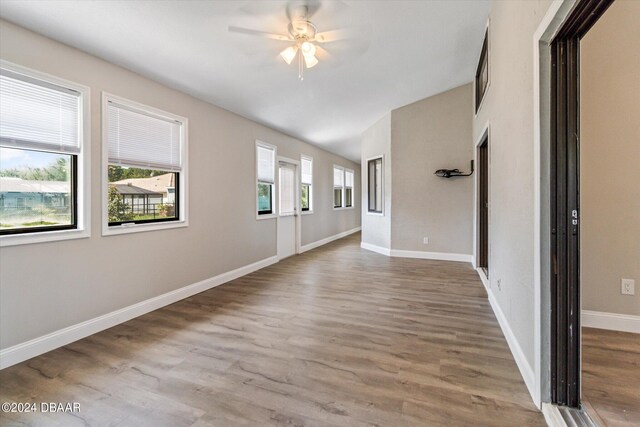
(338, 186)
(338, 176)
(348, 188)
(287, 190)
(42, 163)
(39, 115)
(307, 170)
(266, 164)
(306, 184)
(140, 139)
(265, 177)
(145, 167)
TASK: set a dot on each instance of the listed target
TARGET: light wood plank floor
(336, 336)
(611, 376)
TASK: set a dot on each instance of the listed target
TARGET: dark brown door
(565, 201)
(483, 206)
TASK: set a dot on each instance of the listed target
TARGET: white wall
(508, 109)
(609, 157)
(425, 136)
(49, 286)
(376, 141)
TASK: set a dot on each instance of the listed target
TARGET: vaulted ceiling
(399, 52)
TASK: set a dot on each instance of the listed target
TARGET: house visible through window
(306, 184)
(145, 165)
(348, 188)
(40, 142)
(265, 164)
(338, 186)
(374, 183)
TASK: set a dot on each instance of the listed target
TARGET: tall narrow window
(265, 163)
(40, 144)
(482, 72)
(306, 184)
(348, 188)
(338, 186)
(374, 180)
(145, 164)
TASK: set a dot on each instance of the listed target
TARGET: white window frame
(274, 190)
(333, 187)
(183, 220)
(83, 189)
(310, 211)
(353, 190)
(366, 179)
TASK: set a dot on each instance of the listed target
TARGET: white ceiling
(415, 49)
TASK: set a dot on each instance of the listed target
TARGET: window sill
(140, 228)
(375, 213)
(344, 208)
(306, 213)
(42, 237)
(267, 216)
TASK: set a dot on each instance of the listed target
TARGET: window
(42, 152)
(482, 72)
(348, 188)
(338, 186)
(374, 171)
(145, 167)
(265, 164)
(306, 184)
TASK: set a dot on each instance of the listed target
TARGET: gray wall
(609, 156)
(49, 286)
(508, 109)
(376, 141)
(425, 136)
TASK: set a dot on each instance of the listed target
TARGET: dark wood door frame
(483, 204)
(565, 201)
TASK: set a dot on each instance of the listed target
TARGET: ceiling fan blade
(322, 53)
(359, 32)
(265, 34)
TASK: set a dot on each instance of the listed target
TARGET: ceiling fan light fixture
(308, 48)
(289, 54)
(310, 61)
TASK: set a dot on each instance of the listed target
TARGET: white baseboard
(526, 370)
(21, 352)
(611, 321)
(329, 239)
(483, 279)
(377, 249)
(442, 256)
(552, 415)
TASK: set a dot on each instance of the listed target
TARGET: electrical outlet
(628, 287)
(499, 284)
(425, 240)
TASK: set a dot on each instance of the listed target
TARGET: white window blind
(266, 164)
(287, 190)
(139, 139)
(38, 114)
(338, 177)
(307, 171)
(348, 179)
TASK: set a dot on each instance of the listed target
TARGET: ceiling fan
(303, 36)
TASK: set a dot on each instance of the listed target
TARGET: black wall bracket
(450, 173)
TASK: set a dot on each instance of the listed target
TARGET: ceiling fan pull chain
(300, 69)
